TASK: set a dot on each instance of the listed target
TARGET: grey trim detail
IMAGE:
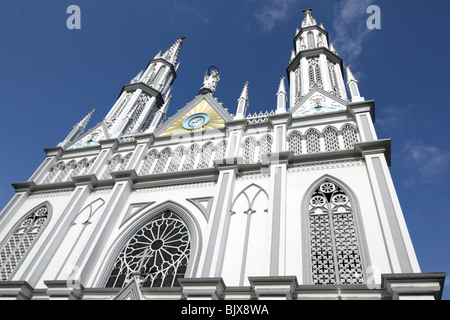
(397, 235)
(275, 247)
(215, 226)
(205, 210)
(366, 128)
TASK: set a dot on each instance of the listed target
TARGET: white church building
(294, 204)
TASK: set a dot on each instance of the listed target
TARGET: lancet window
(334, 249)
(117, 163)
(221, 149)
(330, 136)
(21, 240)
(162, 161)
(175, 161)
(191, 155)
(149, 159)
(265, 146)
(248, 153)
(295, 142)
(206, 155)
(334, 80)
(314, 73)
(312, 141)
(349, 136)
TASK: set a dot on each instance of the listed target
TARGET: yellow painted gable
(215, 121)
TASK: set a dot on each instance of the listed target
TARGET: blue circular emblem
(196, 121)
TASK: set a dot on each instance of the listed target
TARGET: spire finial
(83, 123)
(308, 19)
(281, 87)
(244, 93)
(349, 73)
(171, 55)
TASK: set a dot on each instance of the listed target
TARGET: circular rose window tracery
(159, 251)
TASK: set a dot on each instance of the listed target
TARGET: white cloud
(429, 163)
(272, 12)
(350, 28)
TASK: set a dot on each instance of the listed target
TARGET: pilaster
(92, 251)
(211, 261)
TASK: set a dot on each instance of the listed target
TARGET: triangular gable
(203, 204)
(318, 101)
(91, 137)
(201, 114)
(131, 291)
(133, 209)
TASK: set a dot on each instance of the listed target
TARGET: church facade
(297, 203)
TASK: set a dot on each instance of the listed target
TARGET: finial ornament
(308, 19)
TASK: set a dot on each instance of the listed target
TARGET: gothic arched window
(295, 142)
(350, 136)
(335, 253)
(159, 251)
(206, 155)
(191, 155)
(21, 240)
(113, 163)
(330, 137)
(221, 150)
(176, 159)
(248, 153)
(334, 79)
(163, 157)
(57, 168)
(312, 141)
(311, 43)
(314, 73)
(117, 163)
(265, 146)
(148, 162)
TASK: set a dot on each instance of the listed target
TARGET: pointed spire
(76, 130)
(171, 55)
(292, 55)
(138, 77)
(308, 19)
(242, 102)
(281, 97)
(83, 123)
(244, 93)
(349, 73)
(352, 85)
(332, 49)
(282, 87)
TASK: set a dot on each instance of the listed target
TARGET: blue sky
(51, 77)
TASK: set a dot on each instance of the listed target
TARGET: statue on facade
(210, 80)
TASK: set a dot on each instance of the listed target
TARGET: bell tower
(314, 62)
(146, 98)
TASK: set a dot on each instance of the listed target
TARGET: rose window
(159, 251)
